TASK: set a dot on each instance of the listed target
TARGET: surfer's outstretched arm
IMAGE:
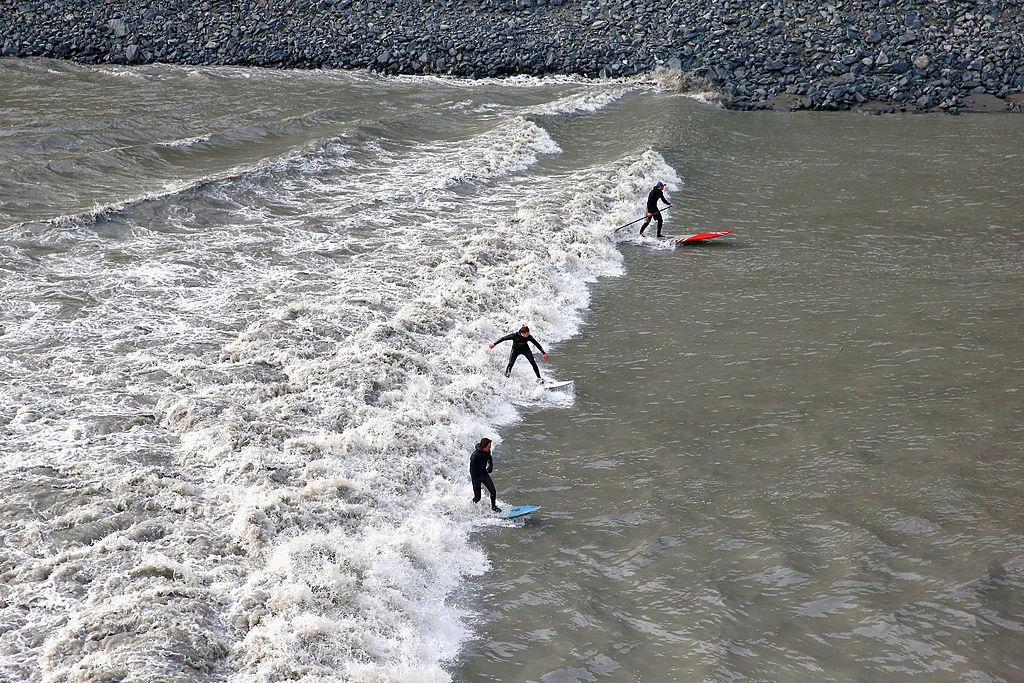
(537, 344)
(507, 337)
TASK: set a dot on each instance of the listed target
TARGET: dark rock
(829, 56)
(118, 28)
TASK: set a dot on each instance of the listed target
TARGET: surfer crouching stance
(653, 208)
(521, 347)
(480, 467)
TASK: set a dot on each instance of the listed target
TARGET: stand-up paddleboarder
(521, 347)
(658, 193)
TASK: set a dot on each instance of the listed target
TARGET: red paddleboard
(699, 237)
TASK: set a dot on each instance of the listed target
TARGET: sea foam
(266, 411)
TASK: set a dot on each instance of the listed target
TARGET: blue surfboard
(518, 511)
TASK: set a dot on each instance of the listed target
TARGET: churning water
(243, 359)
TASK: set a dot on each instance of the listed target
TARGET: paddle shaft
(665, 208)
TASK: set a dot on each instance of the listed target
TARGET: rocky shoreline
(877, 55)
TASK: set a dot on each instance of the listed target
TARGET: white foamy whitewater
(236, 416)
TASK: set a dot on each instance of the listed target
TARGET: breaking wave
(255, 468)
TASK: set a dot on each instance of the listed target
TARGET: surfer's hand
(545, 356)
(490, 346)
(648, 214)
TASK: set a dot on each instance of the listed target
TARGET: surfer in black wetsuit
(480, 467)
(658, 193)
(521, 347)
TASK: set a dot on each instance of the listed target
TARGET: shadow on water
(711, 244)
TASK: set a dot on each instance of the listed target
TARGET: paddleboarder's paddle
(664, 208)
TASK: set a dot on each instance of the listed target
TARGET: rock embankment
(919, 55)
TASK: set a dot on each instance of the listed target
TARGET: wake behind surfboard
(698, 237)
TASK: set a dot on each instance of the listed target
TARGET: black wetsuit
(521, 347)
(480, 467)
(652, 208)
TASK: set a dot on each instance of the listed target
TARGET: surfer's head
(525, 331)
(660, 185)
(484, 445)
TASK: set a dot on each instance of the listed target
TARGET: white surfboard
(556, 383)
